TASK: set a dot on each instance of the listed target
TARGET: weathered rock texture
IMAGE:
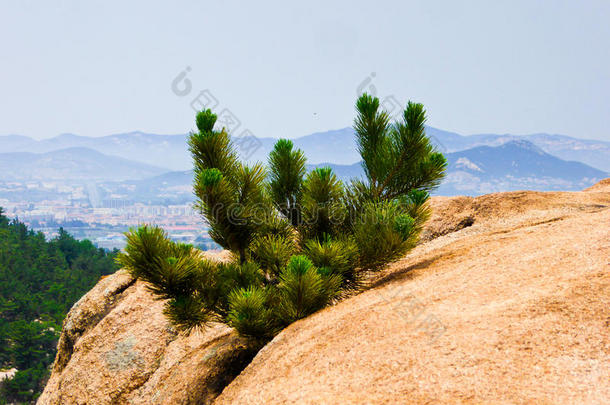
(116, 347)
(507, 301)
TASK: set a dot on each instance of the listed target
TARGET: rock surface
(506, 301)
(116, 347)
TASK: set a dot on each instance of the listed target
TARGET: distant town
(90, 211)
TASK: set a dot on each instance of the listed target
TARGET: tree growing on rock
(300, 241)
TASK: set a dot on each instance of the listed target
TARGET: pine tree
(300, 240)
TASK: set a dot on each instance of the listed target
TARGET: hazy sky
(286, 70)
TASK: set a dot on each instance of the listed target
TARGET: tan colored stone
(511, 310)
(117, 347)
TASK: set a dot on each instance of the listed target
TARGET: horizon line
(296, 137)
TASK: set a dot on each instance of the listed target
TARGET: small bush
(273, 252)
(249, 313)
(303, 289)
(300, 241)
(337, 257)
(383, 233)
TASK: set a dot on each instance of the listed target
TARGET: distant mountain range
(515, 165)
(337, 146)
(147, 163)
(594, 153)
(168, 151)
(72, 164)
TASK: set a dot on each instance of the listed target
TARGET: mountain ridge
(516, 164)
(337, 145)
(475, 171)
(74, 163)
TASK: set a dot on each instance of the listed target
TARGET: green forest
(39, 282)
